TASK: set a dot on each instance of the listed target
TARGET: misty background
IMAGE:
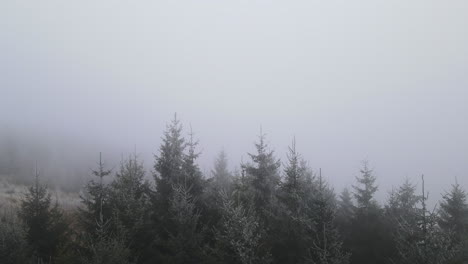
(379, 80)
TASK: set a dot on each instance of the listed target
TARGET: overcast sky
(385, 81)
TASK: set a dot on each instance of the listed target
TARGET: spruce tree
(454, 212)
(327, 243)
(95, 200)
(263, 177)
(369, 240)
(346, 208)
(192, 176)
(169, 164)
(294, 212)
(185, 243)
(402, 205)
(45, 225)
(130, 201)
(240, 237)
(221, 177)
(364, 192)
(424, 242)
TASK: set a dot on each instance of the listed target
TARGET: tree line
(262, 213)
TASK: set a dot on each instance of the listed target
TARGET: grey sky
(382, 80)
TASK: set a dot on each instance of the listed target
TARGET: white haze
(385, 81)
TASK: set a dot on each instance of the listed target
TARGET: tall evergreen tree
(263, 177)
(46, 228)
(240, 237)
(454, 211)
(345, 214)
(424, 242)
(294, 213)
(192, 176)
(346, 208)
(221, 177)
(95, 200)
(130, 201)
(169, 164)
(402, 205)
(454, 218)
(369, 240)
(327, 243)
(186, 237)
(364, 193)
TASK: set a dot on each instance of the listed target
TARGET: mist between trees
(267, 211)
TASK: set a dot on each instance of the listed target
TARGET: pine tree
(186, 239)
(369, 240)
(346, 208)
(454, 218)
(192, 176)
(241, 234)
(454, 212)
(424, 242)
(169, 164)
(95, 200)
(130, 201)
(263, 177)
(13, 244)
(364, 194)
(327, 243)
(221, 177)
(345, 214)
(45, 226)
(104, 246)
(402, 204)
(293, 214)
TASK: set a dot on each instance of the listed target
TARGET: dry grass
(11, 195)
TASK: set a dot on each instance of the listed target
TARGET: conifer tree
(263, 177)
(294, 213)
(425, 242)
(221, 177)
(241, 234)
(192, 176)
(186, 238)
(130, 201)
(169, 164)
(327, 243)
(454, 212)
(346, 208)
(104, 246)
(402, 205)
(45, 226)
(369, 241)
(345, 214)
(364, 193)
(13, 244)
(95, 200)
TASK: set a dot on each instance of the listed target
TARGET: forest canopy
(267, 211)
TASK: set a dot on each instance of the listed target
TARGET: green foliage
(13, 243)
(326, 241)
(131, 205)
(364, 192)
(454, 212)
(260, 214)
(185, 243)
(105, 247)
(169, 163)
(95, 200)
(241, 235)
(420, 240)
(44, 224)
(263, 178)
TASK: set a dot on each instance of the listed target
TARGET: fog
(379, 80)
